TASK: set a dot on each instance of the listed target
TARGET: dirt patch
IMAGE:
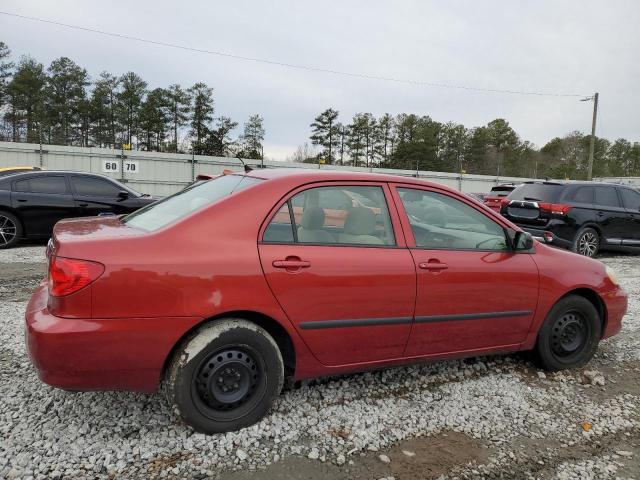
(420, 458)
(19, 279)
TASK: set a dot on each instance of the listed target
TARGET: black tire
(586, 242)
(570, 334)
(225, 377)
(10, 230)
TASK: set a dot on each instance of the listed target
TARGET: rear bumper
(616, 304)
(541, 234)
(99, 354)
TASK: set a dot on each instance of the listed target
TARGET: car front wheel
(226, 376)
(570, 334)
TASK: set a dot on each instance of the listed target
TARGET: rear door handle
(433, 265)
(83, 204)
(291, 263)
(21, 199)
(600, 214)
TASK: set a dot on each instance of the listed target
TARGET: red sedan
(222, 292)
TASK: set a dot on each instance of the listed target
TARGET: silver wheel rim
(8, 230)
(588, 244)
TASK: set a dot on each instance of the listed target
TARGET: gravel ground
(488, 417)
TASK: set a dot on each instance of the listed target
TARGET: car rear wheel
(226, 376)
(570, 334)
(587, 242)
(10, 230)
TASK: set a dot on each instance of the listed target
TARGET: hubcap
(588, 244)
(227, 380)
(569, 335)
(7, 230)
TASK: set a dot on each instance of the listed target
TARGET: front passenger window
(442, 222)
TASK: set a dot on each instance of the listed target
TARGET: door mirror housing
(521, 241)
(123, 194)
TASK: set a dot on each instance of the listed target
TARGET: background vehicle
(583, 217)
(11, 170)
(222, 292)
(31, 203)
(496, 194)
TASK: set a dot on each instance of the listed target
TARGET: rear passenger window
(583, 195)
(41, 185)
(92, 186)
(340, 215)
(280, 229)
(607, 196)
(631, 199)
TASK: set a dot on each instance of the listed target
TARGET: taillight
(68, 275)
(555, 208)
(504, 201)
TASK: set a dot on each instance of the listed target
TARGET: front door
(610, 215)
(343, 278)
(631, 201)
(473, 292)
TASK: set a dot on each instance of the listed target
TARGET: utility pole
(592, 142)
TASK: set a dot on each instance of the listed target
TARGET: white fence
(165, 173)
(633, 181)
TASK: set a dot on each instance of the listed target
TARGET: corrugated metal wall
(165, 173)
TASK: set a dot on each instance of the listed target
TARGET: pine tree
(104, 110)
(252, 137)
(154, 119)
(5, 71)
(179, 103)
(130, 98)
(201, 115)
(219, 142)
(26, 101)
(65, 95)
(325, 133)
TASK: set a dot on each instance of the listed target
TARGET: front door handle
(433, 264)
(83, 204)
(21, 199)
(600, 214)
(291, 263)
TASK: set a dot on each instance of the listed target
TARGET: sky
(568, 47)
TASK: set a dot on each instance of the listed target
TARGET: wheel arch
(272, 326)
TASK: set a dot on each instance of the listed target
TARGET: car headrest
(412, 196)
(312, 218)
(436, 216)
(361, 221)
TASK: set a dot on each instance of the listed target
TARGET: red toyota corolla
(227, 288)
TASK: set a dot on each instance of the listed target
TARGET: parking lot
(492, 417)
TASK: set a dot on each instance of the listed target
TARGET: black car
(582, 216)
(31, 203)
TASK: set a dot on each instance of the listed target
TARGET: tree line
(409, 141)
(62, 105)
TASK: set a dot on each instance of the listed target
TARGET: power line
(290, 65)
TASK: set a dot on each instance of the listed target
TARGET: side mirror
(522, 241)
(123, 194)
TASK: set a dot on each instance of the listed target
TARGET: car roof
(37, 173)
(563, 183)
(304, 175)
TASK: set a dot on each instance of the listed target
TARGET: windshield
(192, 198)
(537, 192)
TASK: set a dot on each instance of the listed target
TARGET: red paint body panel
(118, 332)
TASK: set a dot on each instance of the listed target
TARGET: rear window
(192, 198)
(537, 192)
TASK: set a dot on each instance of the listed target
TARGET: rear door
(611, 216)
(41, 201)
(473, 292)
(631, 202)
(341, 272)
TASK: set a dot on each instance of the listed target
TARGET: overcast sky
(546, 46)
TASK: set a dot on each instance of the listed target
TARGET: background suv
(584, 217)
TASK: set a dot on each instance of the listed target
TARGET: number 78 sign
(113, 166)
